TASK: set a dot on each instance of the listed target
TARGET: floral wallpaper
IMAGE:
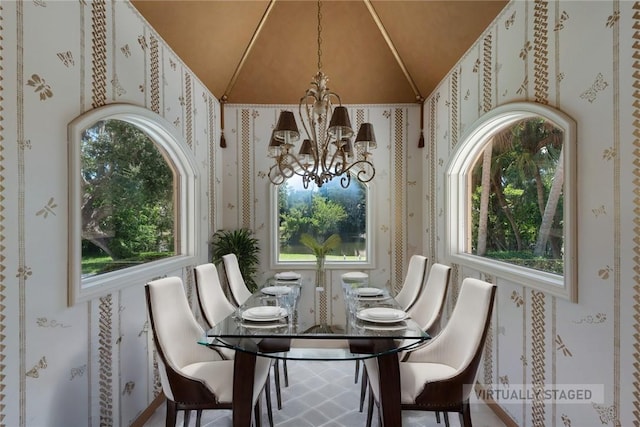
(97, 358)
(578, 57)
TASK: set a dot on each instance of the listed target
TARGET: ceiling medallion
(327, 151)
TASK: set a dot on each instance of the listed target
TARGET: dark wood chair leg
(187, 418)
(370, 410)
(257, 410)
(438, 417)
(363, 387)
(276, 377)
(198, 417)
(465, 415)
(286, 373)
(446, 418)
(267, 390)
(355, 379)
(172, 409)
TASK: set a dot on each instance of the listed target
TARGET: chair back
(458, 346)
(213, 303)
(460, 343)
(238, 288)
(427, 311)
(413, 282)
(175, 335)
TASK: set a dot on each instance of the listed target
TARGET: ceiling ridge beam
(394, 51)
(247, 50)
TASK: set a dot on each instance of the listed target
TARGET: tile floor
(323, 394)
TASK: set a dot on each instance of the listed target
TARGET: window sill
(89, 288)
(553, 284)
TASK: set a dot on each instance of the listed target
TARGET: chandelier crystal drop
(327, 151)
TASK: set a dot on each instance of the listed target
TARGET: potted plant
(246, 247)
(320, 250)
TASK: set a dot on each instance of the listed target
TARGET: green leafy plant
(246, 247)
(320, 250)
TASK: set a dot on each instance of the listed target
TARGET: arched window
(511, 188)
(321, 212)
(131, 200)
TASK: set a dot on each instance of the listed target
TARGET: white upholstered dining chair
(212, 301)
(411, 287)
(240, 294)
(440, 375)
(237, 286)
(427, 310)
(214, 307)
(413, 281)
(193, 377)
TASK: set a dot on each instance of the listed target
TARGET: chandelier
(327, 151)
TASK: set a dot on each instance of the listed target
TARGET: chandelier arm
(345, 180)
(290, 164)
(286, 170)
(309, 125)
(363, 174)
(329, 94)
(306, 105)
(276, 179)
(333, 162)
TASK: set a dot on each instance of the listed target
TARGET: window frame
(457, 203)
(275, 264)
(168, 141)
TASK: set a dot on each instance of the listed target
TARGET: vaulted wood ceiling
(266, 52)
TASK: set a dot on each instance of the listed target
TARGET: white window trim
(456, 203)
(333, 265)
(165, 136)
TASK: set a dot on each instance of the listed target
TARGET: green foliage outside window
(321, 213)
(520, 217)
(128, 196)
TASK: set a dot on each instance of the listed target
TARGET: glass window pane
(321, 212)
(516, 196)
(127, 205)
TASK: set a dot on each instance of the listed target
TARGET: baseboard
(497, 409)
(147, 413)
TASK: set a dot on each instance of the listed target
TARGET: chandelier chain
(319, 35)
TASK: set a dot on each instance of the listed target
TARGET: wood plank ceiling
(266, 52)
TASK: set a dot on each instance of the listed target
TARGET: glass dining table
(270, 324)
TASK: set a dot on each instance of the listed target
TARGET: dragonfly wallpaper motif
(578, 57)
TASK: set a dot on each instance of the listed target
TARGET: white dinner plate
(381, 315)
(355, 277)
(374, 327)
(276, 290)
(264, 325)
(264, 313)
(368, 292)
(287, 275)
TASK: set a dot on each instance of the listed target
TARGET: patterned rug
(324, 394)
